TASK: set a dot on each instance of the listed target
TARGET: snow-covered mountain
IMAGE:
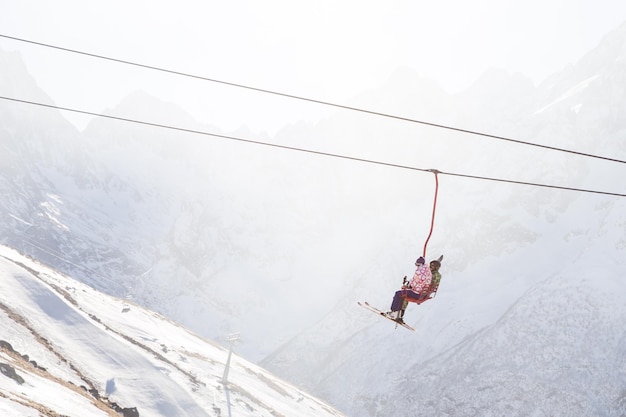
(66, 349)
(224, 236)
(529, 318)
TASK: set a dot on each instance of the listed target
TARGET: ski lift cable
(310, 151)
(311, 100)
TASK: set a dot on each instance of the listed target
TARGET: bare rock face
(8, 371)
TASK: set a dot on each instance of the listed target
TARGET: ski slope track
(69, 350)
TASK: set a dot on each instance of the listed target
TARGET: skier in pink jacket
(417, 288)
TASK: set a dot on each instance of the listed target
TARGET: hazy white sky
(324, 49)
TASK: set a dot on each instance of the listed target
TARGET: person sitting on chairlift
(423, 284)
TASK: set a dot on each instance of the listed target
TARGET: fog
(322, 50)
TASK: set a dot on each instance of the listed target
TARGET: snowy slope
(82, 343)
(558, 350)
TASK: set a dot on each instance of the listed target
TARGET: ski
(367, 306)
